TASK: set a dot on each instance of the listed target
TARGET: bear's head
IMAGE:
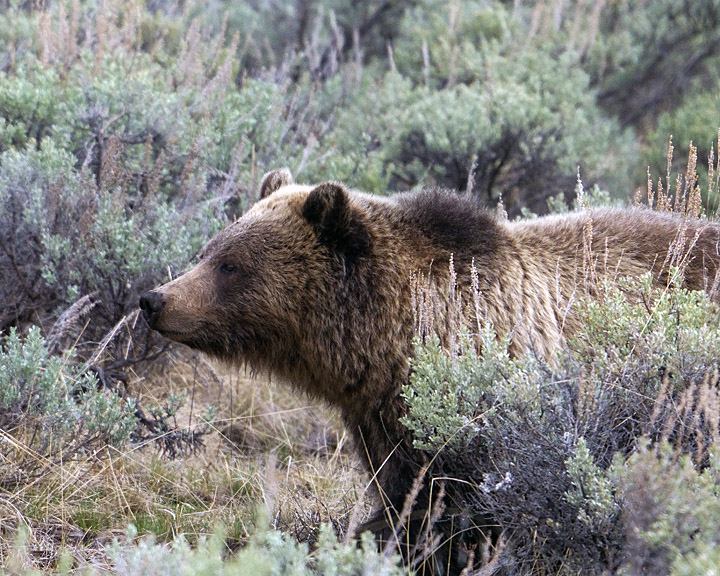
(255, 293)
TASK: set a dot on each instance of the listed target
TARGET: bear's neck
(386, 447)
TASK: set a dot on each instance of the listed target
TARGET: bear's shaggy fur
(319, 285)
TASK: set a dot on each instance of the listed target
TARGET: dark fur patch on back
(453, 221)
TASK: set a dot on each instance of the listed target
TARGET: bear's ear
(329, 212)
(274, 180)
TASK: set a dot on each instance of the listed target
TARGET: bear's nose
(151, 303)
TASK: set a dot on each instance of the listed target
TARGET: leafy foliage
(504, 123)
(647, 51)
(446, 391)
(670, 511)
(550, 452)
(55, 405)
(268, 554)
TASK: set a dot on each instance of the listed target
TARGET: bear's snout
(151, 304)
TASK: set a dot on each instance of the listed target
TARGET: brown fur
(314, 284)
(274, 180)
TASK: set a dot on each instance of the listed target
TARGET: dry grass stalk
(452, 33)
(687, 198)
(714, 179)
(581, 19)
(68, 321)
(101, 37)
(422, 304)
(455, 306)
(189, 64)
(686, 202)
(218, 84)
(492, 556)
(111, 174)
(589, 258)
(426, 63)
(127, 320)
(664, 204)
(690, 421)
(412, 529)
(663, 396)
(152, 170)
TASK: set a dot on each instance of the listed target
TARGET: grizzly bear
(327, 287)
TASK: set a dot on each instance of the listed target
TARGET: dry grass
(272, 455)
(580, 18)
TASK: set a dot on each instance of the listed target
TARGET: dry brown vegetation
(268, 449)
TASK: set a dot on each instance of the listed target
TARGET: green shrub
(670, 513)
(519, 133)
(355, 149)
(54, 406)
(18, 28)
(677, 336)
(486, 114)
(440, 45)
(63, 238)
(448, 394)
(544, 449)
(29, 106)
(649, 55)
(270, 553)
(591, 491)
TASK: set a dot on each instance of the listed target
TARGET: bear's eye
(226, 268)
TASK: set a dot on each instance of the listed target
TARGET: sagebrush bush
(447, 393)
(518, 133)
(269, 553)
(545, 448)
(63, 238)
(119, 163)
(487, 117)
(54, 406)
(670, 512)
(644, 51)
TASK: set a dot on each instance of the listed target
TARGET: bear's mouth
(197, 339)
(178, 329)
